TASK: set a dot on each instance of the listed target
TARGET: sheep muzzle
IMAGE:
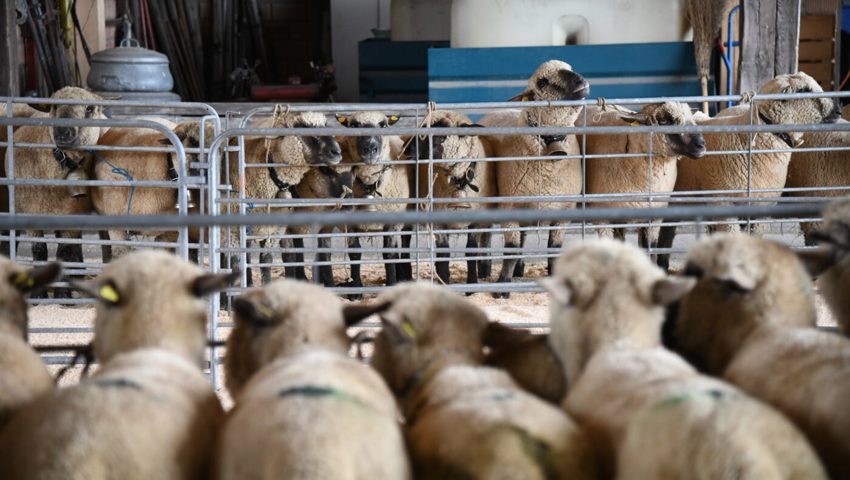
(556, 149)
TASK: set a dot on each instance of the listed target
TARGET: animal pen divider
(227, 215)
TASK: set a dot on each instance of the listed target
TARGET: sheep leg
(443, 273)
(666, 235)
(4, 245)
(325, 272)
(296, 271)
(356, 280)
(485, 267)
(266, 272)
(403, 270)
(389, 267)
(471, 265)
(556, 240)
(105, 249)
(39, 254)
(117, 250)
(249, 271)
(513, 241)
(619, 234)
(519, 269)
(72, 253)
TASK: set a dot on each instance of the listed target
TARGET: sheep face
(313, 149)
(368, 149)
(605, 293)
(151, 299)
(73, 137)
(282, 319)
(15, 282)
(424, 328)
(691, 145)
(743, 282)
(803, 111)
(555, 80)
(189, 134)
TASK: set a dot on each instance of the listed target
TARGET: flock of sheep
(759, 392)
(368, 167)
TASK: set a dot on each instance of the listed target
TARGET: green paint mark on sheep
(115, 383)
(678, 399)
(314, 391)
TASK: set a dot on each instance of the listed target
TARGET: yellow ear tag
(264, 310)
(341, 119)
(408, 329)
(524, 99)
(108, 293)
(23, 279)
(635, 124)
(394, 118)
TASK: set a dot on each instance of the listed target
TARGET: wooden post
(92, 16)
(770, 41)
(9, 68)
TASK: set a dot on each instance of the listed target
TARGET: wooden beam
(9, 68)
(92, 14)
(770, 41)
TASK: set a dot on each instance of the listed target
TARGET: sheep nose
(699, 143)
(64, 135)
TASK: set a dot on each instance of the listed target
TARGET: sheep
(830, 262)
(769, 170)
(316, 412)
(118, 165)
(616, 175)
(528, 358)
(553, 80)
(149, 412)
(377, 178)
(751, 319)
(819, 169)
(650, 414)
(463, 419)
(458, 180)
(67, 160)
(298, 153)
(23, 376)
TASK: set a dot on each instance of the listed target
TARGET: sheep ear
(397, 328)
(104, 291)
(670, 290)
(499, 336)
(392, 119)
(526, 96)
(343, 120)
(41, 107)
(213, 282)
(354, 313)
(818, 260)
(558, 289)
(36, 278)
(253, 313)
(632, 118)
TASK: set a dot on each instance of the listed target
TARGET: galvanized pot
(130, 68)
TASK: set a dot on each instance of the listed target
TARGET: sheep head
(306, 149)
(17, 281)
(75, 137)
(425, 328)
(368, 149)
(554, 81)
(605, 293)
(152, 299)
(691, 145)
(283, 319)
(831, 261)
(189, 134)
(802, 111)
(743, 283)
(457, 147)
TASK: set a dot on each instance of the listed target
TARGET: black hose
(79, 30)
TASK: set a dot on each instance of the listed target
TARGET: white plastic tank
(427, 20)
(522, 23)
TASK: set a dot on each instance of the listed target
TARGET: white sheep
(820, 169)
(122, 165)
(461, 179)
(297, 154)
(462, 419)
(67, 160)
(149, 412)
(23, 376)
(731, 171)
(831, 261)
(377, 180)
(315, 412)
(637, 175)
(650, 414)
(553, 80)
(751, 319)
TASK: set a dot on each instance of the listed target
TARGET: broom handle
(704, 84)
